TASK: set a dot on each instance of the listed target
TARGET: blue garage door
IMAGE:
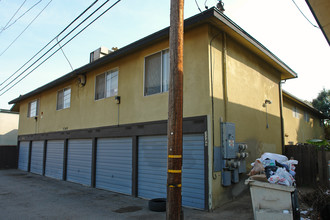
(54, 159)
(23, 157)
(114, 164)
(79, 161)
(37, 157)
(152, 169)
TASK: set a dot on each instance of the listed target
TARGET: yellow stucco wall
(250, 81)
(296, 129)
(8, 128)
(85, 112)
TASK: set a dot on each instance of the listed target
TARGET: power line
(206, 7)
(64, 53)
(198, 6)
(14, 15)
(304, 15)
(55, 44)
(7, 26)
(25, 28)
(48, 44)
(62, 46)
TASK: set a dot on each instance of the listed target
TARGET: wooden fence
(312, 168)
(8, 157)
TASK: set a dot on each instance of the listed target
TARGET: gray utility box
(228, 140)
(272, 201)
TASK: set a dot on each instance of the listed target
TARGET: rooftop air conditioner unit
(97, 54)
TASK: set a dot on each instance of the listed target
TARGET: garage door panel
(152, 169)
(79, 161)
(23, 158)
(37, 155)
(114, 164)
(193, 194)
(54, 159)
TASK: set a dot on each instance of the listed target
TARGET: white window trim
(69, 87)
(144, 72)
(295, 112)
(105, 83)
(37, 108)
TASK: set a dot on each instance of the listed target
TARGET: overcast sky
(277, 24)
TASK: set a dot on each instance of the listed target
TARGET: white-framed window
(295, 112)
(33, 108)
(156, 72)
(63, 98)
(106, 84)
(306, 117)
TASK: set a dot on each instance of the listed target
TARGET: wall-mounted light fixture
(117, 99)
(267, 101)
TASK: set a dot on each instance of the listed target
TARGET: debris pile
(274, 168)
(318, 201)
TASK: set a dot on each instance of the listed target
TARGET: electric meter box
(228, 140)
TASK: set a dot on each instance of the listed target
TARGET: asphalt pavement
(25, 195)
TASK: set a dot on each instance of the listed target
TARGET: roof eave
(207, 16)
(251, 43)
(304, 104)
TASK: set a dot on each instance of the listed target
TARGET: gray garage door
(54, 159)
(79, 161)
(152, 169)
(23, 157)
(114, 164)
(37, 155)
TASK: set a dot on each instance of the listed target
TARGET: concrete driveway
(25, 195)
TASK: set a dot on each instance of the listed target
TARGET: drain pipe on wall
(281, 114)
(214, 176)
(224, 82)
(224, 75)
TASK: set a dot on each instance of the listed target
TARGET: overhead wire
(62, 46)
(206, 7)
(25, 28)
(64, 53)
(304, 15)
(198, 6)
(56, 44)
(8, 26)
(14, 14)
(81, 14)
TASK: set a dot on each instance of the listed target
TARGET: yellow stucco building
(8, 127)
(302, 122)
(104, 124)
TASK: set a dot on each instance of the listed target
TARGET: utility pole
(175, 112)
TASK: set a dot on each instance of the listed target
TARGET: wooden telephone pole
(175, 111)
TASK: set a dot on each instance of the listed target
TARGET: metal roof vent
(97, 54)
(220, 6)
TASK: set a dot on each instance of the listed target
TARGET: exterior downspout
(281, 116)
(224, 75)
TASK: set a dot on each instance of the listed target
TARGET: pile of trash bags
(276, 168)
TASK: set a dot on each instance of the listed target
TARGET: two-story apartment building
(302, 121)
(104, 124)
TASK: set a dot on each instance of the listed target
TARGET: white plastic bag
(278, 157)
(281, 177)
